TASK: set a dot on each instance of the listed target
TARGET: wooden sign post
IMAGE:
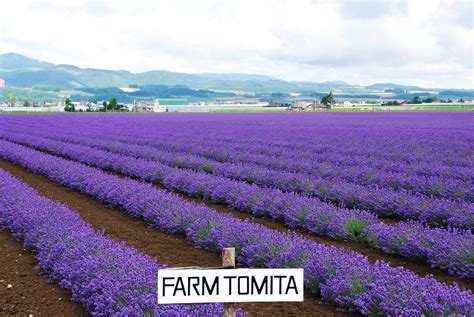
(228, 285)
(228, 261)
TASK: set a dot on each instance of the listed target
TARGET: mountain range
(24, 72)
(31, 79)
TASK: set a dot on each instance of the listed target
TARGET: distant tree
(415, 101)
(113, 104)
(328, 100)
(11, 100)
(26, 104)
(105, 105)
(430, 99)
(391, 103)
(69, 106)
(461, 100)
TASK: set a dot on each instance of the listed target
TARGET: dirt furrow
(23, 291)
(172, 250)
(421, 268)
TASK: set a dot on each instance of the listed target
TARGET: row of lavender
(257, 168)
(384, 202)
(108, 278)
(447, 249)
(395, 140)
(319, 153)
(198, 136)
(342, 277)
(437, 186)
(312, 132)
(220, 151)
(434, 212)
(228, 150)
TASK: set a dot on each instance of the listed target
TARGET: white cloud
(422, 42)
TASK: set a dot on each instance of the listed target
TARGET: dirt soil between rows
(23, 292)
(174, 251)
(372, 254)
(421, 268)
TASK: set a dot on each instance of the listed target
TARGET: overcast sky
(422, 42)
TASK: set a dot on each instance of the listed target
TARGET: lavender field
(378, 208)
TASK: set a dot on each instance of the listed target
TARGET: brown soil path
(373, 255)
(171, 250)
(23, 292)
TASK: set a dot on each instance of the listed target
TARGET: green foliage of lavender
(345, 278)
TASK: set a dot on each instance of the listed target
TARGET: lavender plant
(106, 277)
(342, 277)
(295, 211)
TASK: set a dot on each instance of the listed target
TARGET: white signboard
(190, 286)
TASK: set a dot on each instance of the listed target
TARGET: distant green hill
(48, 78)
(394, 86)
(21, 71)
(17, 61)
